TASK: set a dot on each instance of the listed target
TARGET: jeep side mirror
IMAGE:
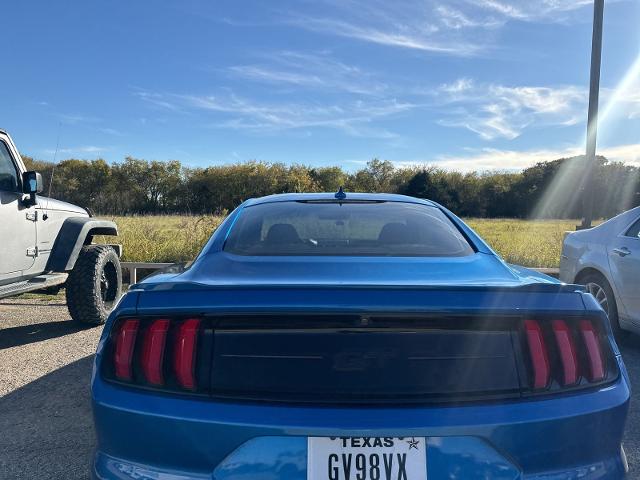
(32, 183)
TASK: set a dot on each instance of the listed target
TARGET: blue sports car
(356, 337)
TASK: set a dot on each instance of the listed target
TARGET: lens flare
(618, 101)
(564, 191)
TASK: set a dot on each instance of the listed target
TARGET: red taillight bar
(184, 352)
(596, 371)
(566, 351)
(573, 355)
(153, 351)
(538, 352)
(125, 343)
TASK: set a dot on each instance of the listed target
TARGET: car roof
(372, 197)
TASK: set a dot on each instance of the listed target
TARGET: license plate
(366, 458)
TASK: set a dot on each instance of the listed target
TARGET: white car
(606, 259)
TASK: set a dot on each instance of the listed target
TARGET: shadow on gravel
(25, 334)
(46, 426)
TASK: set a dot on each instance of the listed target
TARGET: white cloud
(228, 110)
(76, 118)
(498, 111)
(111, 131)
(457, 27)
(629, 154)
(491, 159)
(417, 37)
(459, 86)
(507, 10)
(312, 71)
(422, 25)
(157, 99)
(489, 110)
(540, 100)
(456, 19)
(532, 10)
(85, 149)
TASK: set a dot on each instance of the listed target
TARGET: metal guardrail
(552, 272)
(133, 267)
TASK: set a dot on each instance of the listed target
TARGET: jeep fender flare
(74, 234)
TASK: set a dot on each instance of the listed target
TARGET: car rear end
(369, 382)
(361, 337)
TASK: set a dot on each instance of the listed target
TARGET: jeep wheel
(94, 284)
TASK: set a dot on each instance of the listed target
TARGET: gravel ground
(630, 347)
(45, 412)
(45, 415)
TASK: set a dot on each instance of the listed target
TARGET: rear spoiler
(182, 297)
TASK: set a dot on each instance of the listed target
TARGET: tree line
(552, 189)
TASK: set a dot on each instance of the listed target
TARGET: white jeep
(46, 244)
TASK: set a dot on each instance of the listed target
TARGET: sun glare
(618, 105)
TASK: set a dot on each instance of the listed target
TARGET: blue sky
(465, 84)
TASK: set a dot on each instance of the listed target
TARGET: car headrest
(395, 233)
(282, 233)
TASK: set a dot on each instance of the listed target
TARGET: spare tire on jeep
(94, 284)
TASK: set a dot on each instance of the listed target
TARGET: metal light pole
(588, 192)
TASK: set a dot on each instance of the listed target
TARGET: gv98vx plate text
(366, 458)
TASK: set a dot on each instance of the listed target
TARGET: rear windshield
(349, 229)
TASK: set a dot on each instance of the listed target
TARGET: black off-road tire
(94, 284)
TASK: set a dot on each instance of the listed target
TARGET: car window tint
(634, 231)
(345, 229)
(8, 172)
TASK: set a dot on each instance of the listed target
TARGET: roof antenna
(45, 215)
(340, 195)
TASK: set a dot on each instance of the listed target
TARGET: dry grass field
(163, 238)
(532, 243)
(173, 238)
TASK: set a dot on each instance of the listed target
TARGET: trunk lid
(479, 269)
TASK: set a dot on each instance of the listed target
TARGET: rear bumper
(152, 436)
(262, 458)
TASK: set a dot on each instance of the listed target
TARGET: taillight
(538, 352)
(596, 370)
(158, 352)
(153, 351)
(564, 353)
(125, 344)
(184, 353)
